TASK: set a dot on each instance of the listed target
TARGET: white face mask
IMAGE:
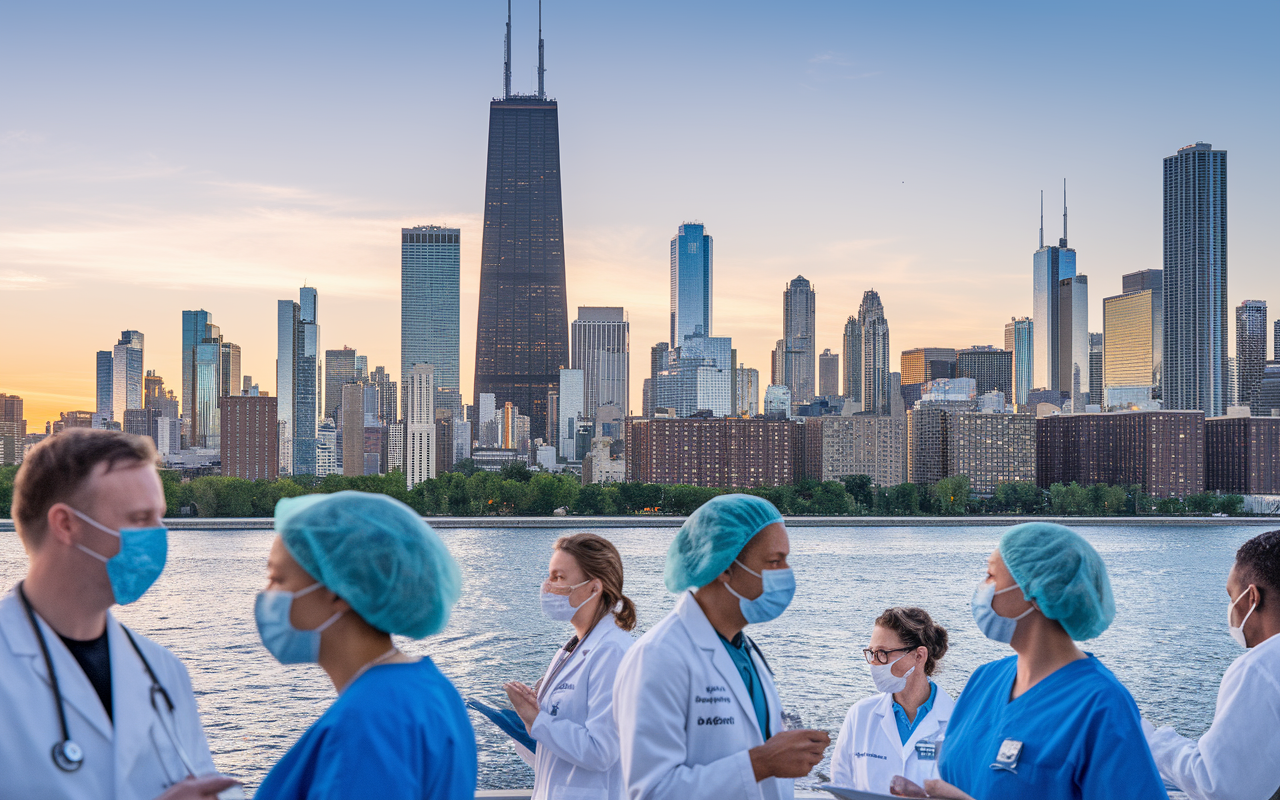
(557, 606)
(884, 679)
(1237, 632)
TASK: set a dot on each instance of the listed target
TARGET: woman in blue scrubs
(346, 571)
(1050, 722)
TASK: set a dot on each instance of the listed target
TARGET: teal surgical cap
(377, 554)
(1062, 572)
(712, 537)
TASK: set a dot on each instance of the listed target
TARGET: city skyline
(124, 273)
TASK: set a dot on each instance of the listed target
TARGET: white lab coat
(577, 757)
(1239, 756)
(870, 752)
(130, 760)
(685, 719)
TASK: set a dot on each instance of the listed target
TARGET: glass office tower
(1018, 338)
(1050, 266)
(1195, 280)
(690, 283)
(1251, 351)
(299, 378)
(430, 266)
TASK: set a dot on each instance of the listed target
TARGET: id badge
(926, 750)
(1007, 756)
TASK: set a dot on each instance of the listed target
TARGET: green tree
(1202, 503)
(6, 490)
(1230, 504)
(902, 500)
(516, 471)
(829, 499)
(465, 466)
(548, 492)
(952, 495)
(592, 499)
(860, 490)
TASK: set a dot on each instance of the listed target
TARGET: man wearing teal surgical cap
(698, 715)
(1049, 722)
(346, 571)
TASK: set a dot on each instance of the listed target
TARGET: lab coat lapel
(705, 636)
(888, 720)
(78, 696)
(131, 688)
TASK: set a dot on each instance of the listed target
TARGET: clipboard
(851, 794)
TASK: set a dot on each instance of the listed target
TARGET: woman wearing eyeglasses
(569, 713)
(897, 731)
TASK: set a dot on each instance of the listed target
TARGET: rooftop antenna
(541, 93)
(1064, 212)
(1042, 219)
(506, 65)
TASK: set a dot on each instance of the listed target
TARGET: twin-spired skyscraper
(522, 332)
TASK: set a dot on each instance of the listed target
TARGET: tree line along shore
(516, 491)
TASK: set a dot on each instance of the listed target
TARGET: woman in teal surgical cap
(1049, 722)
(346, 571)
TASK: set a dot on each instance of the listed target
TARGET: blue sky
(160, 156)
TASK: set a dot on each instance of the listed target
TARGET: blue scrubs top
(905, 726)
(1080, 731)
(740, 651)
(400, 732)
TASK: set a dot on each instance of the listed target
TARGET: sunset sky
(159, 156)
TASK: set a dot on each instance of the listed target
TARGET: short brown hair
(58, 467)
(599, 559)
(916, 628)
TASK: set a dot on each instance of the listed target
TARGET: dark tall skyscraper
(1251, 351)
(522, 333)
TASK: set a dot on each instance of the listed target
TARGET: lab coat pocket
(166, 756)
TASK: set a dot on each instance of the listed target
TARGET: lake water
(1168, 644)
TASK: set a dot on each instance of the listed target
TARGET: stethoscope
(67, 755)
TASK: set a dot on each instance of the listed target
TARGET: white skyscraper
(600, 345)
(571, 411)
(420, 425)
(126, 374)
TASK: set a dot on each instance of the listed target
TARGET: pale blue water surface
(1169, 642)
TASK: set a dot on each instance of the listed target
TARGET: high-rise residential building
(1232, 382)
(659, 356)
(230, 366)
(13, 430)
(600, 346)
(105, 384)
(1095, 369)
(1275, 347)
(1242, 454)
(1269, 394)
(1073, 338)
(1018, 340)
(126, 374)
(1195, 280)
(836, 447)
(571, 412)
(777, 401)
(1132, 330)
(829, 373)
(799, 320)
(1251, 351)
(249, 432)
(690, 282)
(339, 370)
(196, 327)
(852, 342)
(1160, 451)
(352, 419)
(992, 449)
(748, 400)
(522, 332)
(990, 368)
(420, 425)
(876, 368)
(388, 398)
(299, 384)
(713, 452)
(430, 269)
(1050, 266)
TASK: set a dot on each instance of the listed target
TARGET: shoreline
(266, 523)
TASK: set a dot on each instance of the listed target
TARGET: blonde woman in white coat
(569, 712)
(898, 730)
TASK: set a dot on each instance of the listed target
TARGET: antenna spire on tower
(542, 95)
(1042, 219)
(1064, 212)
(506, 65)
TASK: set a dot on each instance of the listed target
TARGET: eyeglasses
(882, 656)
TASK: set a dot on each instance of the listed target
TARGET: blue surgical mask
(779, 588)
(993, 626)
(140, 561)
(289, 645)
(557, 606)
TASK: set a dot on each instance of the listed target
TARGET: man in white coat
(1238, 758)
(697, 711)
(88, 506)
